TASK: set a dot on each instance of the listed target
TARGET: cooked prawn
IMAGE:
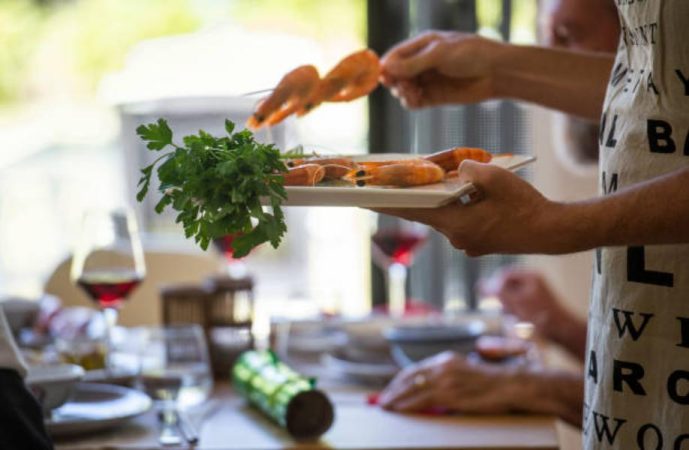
(290, 95)
(304, 175)
(335, 168)
(400, 175)
(451, 159)
(369, 164)
(353, 77)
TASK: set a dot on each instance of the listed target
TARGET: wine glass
(393, 251)
(174, 366)
(236, 268)
(108, 264)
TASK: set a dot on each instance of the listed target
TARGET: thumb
(401, 66)
(471, 171)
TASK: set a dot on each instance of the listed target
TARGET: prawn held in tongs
(290, 95)
(353, 77)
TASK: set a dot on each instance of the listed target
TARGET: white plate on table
(428, 196)
(95, 407)
(121, 376)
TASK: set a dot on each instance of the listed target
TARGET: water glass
(174, 365)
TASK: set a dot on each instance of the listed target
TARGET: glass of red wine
(108, 264)
(236, 268)
(393, 251)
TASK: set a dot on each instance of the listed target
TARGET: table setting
(101, 385)
(170, 399)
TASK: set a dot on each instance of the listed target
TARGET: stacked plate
(72, 406)
(96, 406)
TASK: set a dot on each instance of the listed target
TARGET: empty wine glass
(108, 263)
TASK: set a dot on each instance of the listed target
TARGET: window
(441, 275)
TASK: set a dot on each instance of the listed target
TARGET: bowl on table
(413, 342)
(364, 337)
(305, 339)
(52, 385)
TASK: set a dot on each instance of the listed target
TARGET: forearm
(652, 212)
(571, 82)
(570, 333)
(553, 392)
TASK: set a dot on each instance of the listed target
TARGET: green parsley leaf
(216, 185)
(158, 135)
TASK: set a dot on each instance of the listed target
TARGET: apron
(637, 368)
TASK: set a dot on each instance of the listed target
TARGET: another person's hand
(511, 216)
(526, 295)
(441, 67)
(450, 382)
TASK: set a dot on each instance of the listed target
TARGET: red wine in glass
(399, 245)
(235, 266)
(108, 263)
(224, 246)
(109, 288)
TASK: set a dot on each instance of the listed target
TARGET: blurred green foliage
(318, 19)
(20, 26)
(489, 13)
(102, 31)
(523, 19)
(92, 35)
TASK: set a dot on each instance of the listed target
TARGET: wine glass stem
(110, 317)
(236, 269)
(397, 284)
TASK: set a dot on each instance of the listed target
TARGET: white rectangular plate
(429, 196)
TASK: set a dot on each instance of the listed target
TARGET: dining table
(227, 421)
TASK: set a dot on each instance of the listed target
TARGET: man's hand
(456, 384)
(441, 67)
(510, 217)
(438, 68)
(527, 295)
(450, 382)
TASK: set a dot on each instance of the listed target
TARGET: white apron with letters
(637, 369)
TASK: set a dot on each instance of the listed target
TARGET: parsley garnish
(217, 183)
(298, 152)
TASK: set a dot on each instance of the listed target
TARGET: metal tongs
(260, 91)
